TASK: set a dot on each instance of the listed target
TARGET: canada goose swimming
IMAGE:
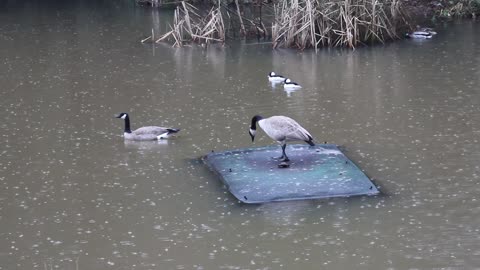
(281, 129)
(272, 77)
(149, 133)
(288, 84)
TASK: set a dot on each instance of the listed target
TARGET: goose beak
(253, 137)
(117, 115)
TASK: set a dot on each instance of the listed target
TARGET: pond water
(75, 195)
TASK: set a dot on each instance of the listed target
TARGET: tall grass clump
(346, 23)
(190, 26)
(297, 24)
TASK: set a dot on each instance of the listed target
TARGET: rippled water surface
(74, 195)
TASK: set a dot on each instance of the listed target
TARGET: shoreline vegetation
(305, 24)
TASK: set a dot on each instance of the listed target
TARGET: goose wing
(282, 128)
(150, 130)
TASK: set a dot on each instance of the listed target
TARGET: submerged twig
(145, 39)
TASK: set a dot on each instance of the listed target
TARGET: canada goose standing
(149, 133)
(281, 129)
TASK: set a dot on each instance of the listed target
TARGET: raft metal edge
(218, 174)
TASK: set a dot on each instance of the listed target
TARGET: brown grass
(190, 26)
(346, 23)
(298, 24)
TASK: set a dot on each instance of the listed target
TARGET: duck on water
(421, 33)
(291, 85)
(272, 77)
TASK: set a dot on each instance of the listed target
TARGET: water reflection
(275, 84)
(286, 213)
(147, 145)
(289, 91)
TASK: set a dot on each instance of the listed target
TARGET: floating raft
(320, 171)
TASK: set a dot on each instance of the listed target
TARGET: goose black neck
(255, 119)
(127, 125)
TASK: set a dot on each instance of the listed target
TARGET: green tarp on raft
(320, 171)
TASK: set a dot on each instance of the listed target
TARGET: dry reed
(310, 24)
(189, 25)
(296, 23)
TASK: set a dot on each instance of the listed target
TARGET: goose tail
(168, 134)
(173, 130)
(310, 140)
